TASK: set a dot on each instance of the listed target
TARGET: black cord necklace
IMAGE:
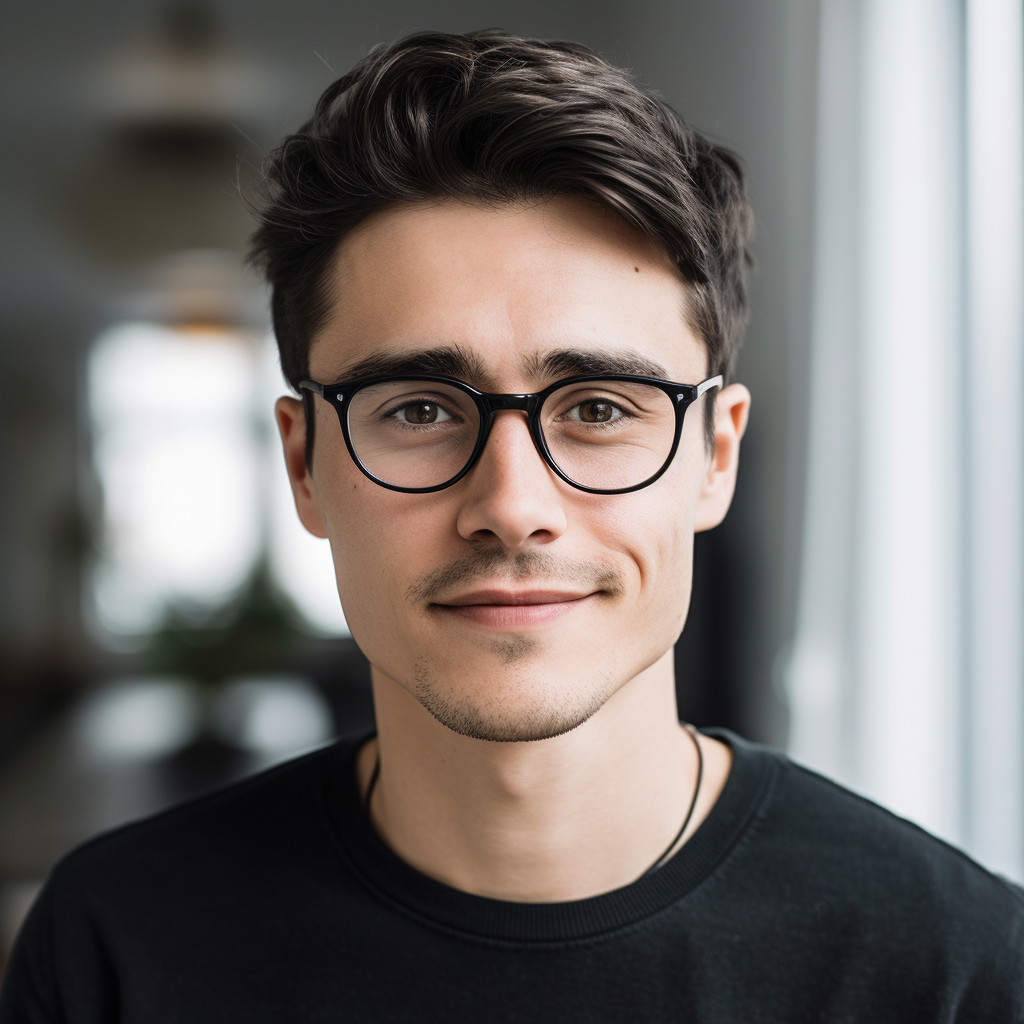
(693, 804)
(675, 839)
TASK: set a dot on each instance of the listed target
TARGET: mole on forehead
(465, 364)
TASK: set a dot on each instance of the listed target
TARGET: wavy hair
(488, 117)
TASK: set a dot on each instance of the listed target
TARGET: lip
(513, 597)
(511, 610)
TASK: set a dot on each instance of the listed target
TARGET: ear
(291, 421)
(732, 407)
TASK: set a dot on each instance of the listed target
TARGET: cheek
(652, 530)
(380, 541)
(354, 525)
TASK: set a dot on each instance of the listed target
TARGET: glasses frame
(339, 395)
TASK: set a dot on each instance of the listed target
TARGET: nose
(511, 494)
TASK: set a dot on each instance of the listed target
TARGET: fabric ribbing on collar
(743, 800)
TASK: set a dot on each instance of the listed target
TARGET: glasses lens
(609, 434)
(413, 433)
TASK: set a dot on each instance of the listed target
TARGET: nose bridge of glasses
(500, 403)
(493, 404)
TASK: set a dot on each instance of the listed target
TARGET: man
(509, 288)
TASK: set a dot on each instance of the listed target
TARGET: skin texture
(512, 737)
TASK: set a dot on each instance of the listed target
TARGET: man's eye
(421, 413)
(595, 410)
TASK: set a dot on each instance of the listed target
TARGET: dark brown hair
(493, 118)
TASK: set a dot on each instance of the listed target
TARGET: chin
(513, 707)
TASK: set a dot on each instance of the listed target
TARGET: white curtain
(905, 679)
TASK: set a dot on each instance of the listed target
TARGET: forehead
(509, 288)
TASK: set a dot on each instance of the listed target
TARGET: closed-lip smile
(513, 609)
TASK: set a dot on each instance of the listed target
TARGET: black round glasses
(607, 434)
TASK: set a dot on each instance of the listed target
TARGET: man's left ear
(732, 407)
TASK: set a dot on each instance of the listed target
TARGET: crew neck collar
(389, 878)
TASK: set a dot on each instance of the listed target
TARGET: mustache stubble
(486, 563)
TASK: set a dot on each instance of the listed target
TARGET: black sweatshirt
(275, 901)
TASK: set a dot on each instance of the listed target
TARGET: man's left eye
(595, 410)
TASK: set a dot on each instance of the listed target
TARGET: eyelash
(623, 413)
(408, 402)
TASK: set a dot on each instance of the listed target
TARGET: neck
(545, 821)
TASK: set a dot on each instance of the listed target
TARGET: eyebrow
(572, 362)
(455, 361)
(444, 361)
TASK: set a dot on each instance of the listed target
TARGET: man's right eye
(421, 413)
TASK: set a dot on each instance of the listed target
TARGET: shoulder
(243, 823)
(821, 821)
(134, 899)
(866, 873)
(875, 847)
(838, 898)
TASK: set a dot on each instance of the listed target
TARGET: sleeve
(59, 971)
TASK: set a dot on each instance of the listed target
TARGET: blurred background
(165, 624)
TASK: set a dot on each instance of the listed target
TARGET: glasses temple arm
(711, 382)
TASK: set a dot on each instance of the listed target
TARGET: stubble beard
(524, 722)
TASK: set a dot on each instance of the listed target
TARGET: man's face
(511, 605)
